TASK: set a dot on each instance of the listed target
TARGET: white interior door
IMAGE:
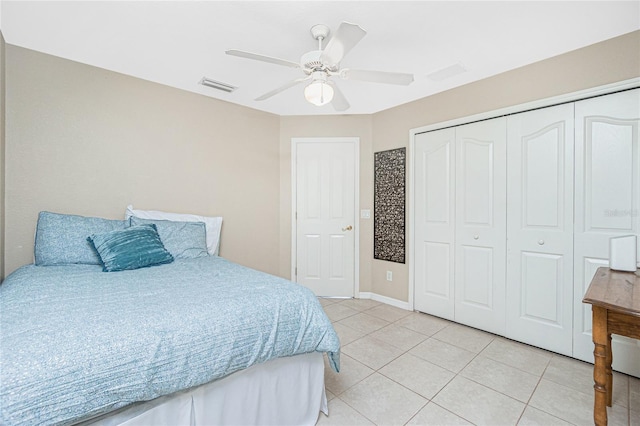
(480, 235)
(540, 228)
(434, 179)
(325, 183)
(607, 203)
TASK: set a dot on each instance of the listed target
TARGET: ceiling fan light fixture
(318, 92)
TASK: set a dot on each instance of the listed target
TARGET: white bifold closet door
(434, 165)
(480, 228)
(607, 203)
(540, 228)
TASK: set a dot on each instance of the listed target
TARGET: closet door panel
(607, 200)
(540, 228)
(541, 285)
(437, 279)
(610, 142)
(480, 239)
(477, 170)
(434, 222)
(477, 265)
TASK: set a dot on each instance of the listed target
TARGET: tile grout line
(534, 391)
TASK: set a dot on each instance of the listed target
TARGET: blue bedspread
(76, 342)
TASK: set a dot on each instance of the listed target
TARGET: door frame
(355, 141)
(540, 103)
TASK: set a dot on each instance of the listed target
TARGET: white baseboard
(384, 299)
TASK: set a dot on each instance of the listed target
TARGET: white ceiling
(176, 43)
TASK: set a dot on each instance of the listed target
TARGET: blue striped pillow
(135, 247)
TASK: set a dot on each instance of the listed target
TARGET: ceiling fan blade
(281, 88)
(263, 58)
(377, 76)
(339, 102)
(345, 38)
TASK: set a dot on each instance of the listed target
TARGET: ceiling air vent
(217, 85)
(447, 72)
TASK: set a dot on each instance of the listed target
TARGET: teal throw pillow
(131, 248)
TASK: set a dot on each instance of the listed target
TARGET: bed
(199, 340)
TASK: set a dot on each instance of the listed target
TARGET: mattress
(78, 342)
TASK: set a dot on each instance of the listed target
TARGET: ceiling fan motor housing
(311, 61)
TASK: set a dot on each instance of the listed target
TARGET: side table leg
(609, 372)
(600, 341)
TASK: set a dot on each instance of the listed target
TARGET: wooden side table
(615, 300)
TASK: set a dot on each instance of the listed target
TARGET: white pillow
(213, 225)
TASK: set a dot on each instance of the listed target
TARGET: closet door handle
(541, 242)
(475, 237)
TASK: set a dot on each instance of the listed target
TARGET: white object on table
(622, 253)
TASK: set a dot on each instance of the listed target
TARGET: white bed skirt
(283, 391)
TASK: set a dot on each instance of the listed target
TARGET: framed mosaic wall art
(389, 205)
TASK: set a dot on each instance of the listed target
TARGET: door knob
(541, 242)
(475, 237)
(348, 228)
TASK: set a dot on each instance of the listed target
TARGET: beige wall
(328, 126)
(611, 61)
(88, 141)
(2, 112)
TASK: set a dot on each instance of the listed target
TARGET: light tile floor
(400, 367)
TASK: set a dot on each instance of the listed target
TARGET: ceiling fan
(322, 64)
